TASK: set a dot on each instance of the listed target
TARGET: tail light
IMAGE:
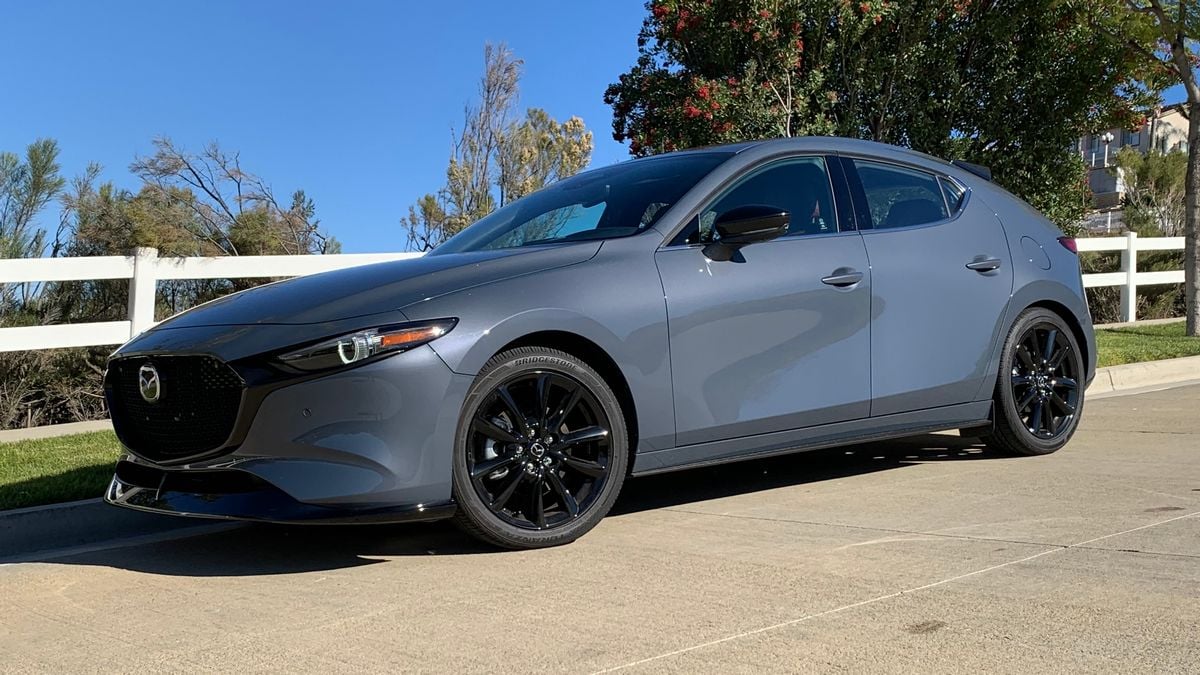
(1069, 244)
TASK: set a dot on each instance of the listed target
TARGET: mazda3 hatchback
(681, 310)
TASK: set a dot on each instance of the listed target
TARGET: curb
(26, 532)
(54, 430)
(1138, 324)
(1114, 379)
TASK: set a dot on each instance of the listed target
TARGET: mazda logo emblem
(148, 383)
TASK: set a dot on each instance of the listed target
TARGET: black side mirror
(751, 224)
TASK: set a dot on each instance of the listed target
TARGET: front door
(778, 336)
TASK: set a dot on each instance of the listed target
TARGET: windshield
(615, 201)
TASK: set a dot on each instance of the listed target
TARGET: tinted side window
(799, 186)
(899, 197)
(955, 194)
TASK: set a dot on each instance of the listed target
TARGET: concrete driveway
(929, 555)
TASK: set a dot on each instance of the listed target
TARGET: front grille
(195, 413)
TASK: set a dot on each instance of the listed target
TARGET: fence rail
(144, 269)
(1129, 278)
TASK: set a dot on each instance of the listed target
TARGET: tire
(1041, 367)
(541, 450)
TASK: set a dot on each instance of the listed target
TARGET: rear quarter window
(899, 196)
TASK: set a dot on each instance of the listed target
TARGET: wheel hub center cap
(537, 449)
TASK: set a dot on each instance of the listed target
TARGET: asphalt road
(929, 555)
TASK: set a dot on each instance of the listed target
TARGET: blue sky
(352, 101)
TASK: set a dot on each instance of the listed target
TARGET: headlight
(366, 344)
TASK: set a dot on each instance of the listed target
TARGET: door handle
(984, 264)
(842, 277)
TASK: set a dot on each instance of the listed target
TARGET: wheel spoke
(584, 435)
(1059, 356)
(518, 417)
(568, 404)
(1025, 358)
(1054, 422)
(1026, 399)
(502, 499)
(564, 496)
(537, 508)
(1051, 339)
(484, 468)
(489, 429)
(1066, 383)
(543, 399)
(1020, 380)
(1030, 343)
(584, 466)
(1061, 403)
(1035, 420)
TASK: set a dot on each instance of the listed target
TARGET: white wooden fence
(1129, 278)
(144, 269)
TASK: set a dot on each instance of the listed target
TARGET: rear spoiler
(977, 169)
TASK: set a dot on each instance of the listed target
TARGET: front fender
(611, 303)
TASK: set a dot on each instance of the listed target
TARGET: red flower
(864, 7)
(702, 92)
(660, 11)
(800, 45)
(765, 14)
(691, 111)
(731, 81)
(714, 105)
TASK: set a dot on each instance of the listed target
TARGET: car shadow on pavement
(261, 549)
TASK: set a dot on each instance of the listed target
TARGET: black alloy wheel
(542, 450)
(1045, 383)
(1040, 391)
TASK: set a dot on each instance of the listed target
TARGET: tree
(1006, 84)
(1175, 27)
(496, 159)
(1154, 187)
(26, 187)
(233, 211)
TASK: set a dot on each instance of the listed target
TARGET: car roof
(835, 144)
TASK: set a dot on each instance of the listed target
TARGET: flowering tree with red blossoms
(1010, 84)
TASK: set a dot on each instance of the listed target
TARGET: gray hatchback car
(687, 309)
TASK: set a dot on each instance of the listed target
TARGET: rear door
(941, 276)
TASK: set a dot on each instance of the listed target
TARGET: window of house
(900, 197)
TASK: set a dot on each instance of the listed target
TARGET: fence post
(141, 290)
(1129, 267)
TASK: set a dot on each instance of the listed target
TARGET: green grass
(51, 470)
(1144, 343)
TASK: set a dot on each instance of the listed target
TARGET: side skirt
(899, 425)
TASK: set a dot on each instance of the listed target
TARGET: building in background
(1166, 131)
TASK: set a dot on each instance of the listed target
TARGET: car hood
(374, 289)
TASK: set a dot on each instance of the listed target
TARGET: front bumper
(230, 494)
(366, 444)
